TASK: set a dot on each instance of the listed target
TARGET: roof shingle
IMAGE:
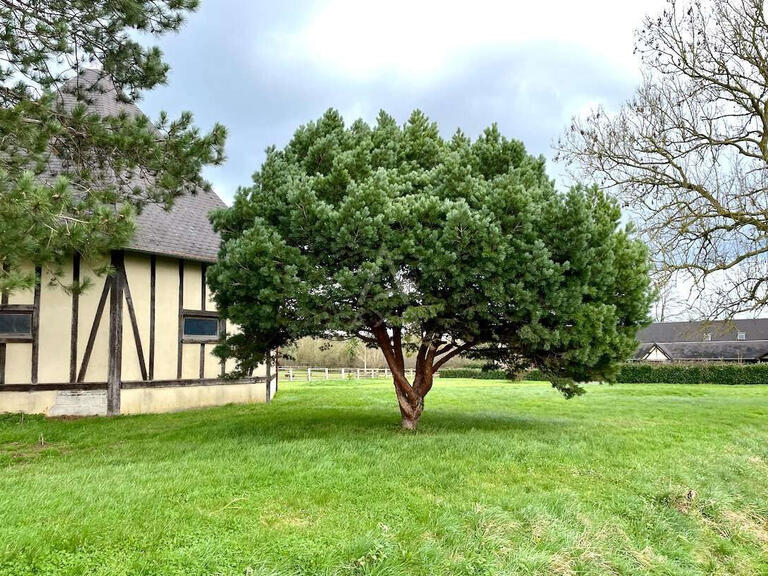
(719, 331)
(183, 231)
(711, 351)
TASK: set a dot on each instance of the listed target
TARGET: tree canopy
(400, 238)
(688, 153)
(107, 165)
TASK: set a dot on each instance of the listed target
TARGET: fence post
(358, 373)
(326, 373)
(290, 374)
(309, 374)
(342, 373)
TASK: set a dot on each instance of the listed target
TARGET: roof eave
(171, 254)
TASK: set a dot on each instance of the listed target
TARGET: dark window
(201, 327)
(16, 324)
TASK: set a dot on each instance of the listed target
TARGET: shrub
(474, 373)
(491, 374)
(699, 373)
(535, 375)
(646, 373)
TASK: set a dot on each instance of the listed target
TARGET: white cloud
(419, 40)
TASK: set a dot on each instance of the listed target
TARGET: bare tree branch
(688, 154)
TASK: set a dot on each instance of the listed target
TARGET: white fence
(310, 374)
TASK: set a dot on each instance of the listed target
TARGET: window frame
(206, 314)
(707, 337)
(19, 310)
(741, 336)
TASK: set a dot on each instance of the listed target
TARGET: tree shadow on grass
(344, 424)
(258, 424)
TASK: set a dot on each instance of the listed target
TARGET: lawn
(501, 478)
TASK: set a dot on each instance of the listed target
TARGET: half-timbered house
(138, 340)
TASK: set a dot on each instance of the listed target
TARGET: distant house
(140, 340)
(716, 341)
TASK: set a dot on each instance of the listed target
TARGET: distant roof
(184, 230)
(642, 350)
(715, 350)
(719, 331)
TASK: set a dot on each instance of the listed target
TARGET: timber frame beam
(117, 290)
(115, 361)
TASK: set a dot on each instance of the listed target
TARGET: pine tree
(405, 241)
(107, 166)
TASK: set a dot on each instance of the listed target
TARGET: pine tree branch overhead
(77, 157)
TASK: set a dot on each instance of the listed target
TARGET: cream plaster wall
(190, 361)
(55, 332)
(192, 286)
(656, 355)
(172, 399)
(138, 273)
(18, 363)
(212, 363)
(89, 302)
(166, 318)
(27, 402)
(55, 328)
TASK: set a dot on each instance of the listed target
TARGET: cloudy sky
(264, 68)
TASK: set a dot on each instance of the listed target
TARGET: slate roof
(712, 351)
(184, 230)
(97, 92)
(720, 331)
(685, 340)
(642, 350)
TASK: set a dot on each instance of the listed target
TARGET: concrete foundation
(176, 398)
(137, 399)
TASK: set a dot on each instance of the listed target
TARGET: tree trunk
(411, 399)
(410, 410)
(432, 354)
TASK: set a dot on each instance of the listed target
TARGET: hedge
(474, 373)
(699, 373)
(647, 373)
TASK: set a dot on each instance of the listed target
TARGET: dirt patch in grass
(751, 525)
(684, 500)
(725, 522)
(20, 452)
(758, 461)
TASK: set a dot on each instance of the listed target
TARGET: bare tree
(668, 304)
(688, 154)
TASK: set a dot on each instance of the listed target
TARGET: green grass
(502, 478)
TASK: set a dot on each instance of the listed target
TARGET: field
(501, 478)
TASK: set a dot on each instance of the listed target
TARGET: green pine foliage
(450, 246)
(111, 165)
